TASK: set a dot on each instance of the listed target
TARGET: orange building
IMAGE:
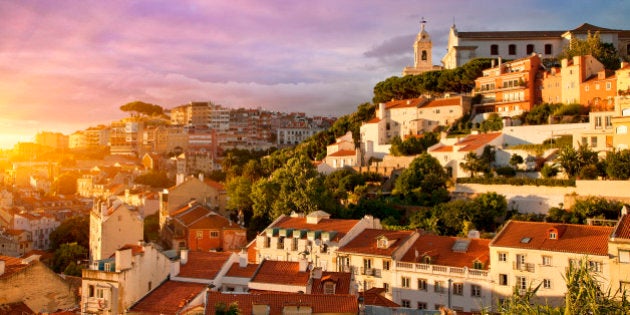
(509, 88)
(551, 86)
(598, 92)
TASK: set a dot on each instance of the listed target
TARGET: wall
(514, 135)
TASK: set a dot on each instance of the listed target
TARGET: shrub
(506, 171)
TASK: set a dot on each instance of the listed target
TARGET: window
(386, 264)
(503, 279)
(608, 121)
(594, 142)
(520, 260)
(267, 242)
(512, 49)
(475, 290)
(422, 284)
(367, 263)
(547, 283)
(439, 287)
(598, 122)
(477, 264)
(608, 86)
(381, 243)
(386, 286)
(624, 256)
(90, 291)
(405, 303)
(530, 49)
(595, 265)
(546, 260)
(294, 244)
(422, 306)
(458, 288)
(329, 288)
(548, 50)
(99, 293)
(553, 235)
(405, 282)
(199, 234)
(521, 283)
(502, 256)
(494, 49)
(424, 55)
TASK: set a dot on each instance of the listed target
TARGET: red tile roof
(281, 272)
(622, 229)
(413, 102)
(213, 184)
(373, 120)
(342, 280)
(579, 239)
(374, 296)
(344, 153)
(12, 265)
(474, 142)
(365, 243)
(320, 304)
(203, 265)
(440, 249)
(444, 148)
(169, 298)
(438, 102)
(17, 308)
(341, 226)
(242, 272)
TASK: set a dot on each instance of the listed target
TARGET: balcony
(371, 272)
(96, 305)
(528, 267)
(443, 270)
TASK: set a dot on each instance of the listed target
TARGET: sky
(67, 65)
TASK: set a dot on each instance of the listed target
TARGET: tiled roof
(585, 27)
(169, 298)
(374, 296)
(12, 265)
(440, 249)
(510, 34)
(373, 120)
(199, 216)
(135, 249)
(444, 148)
(242, 272)
(622, 229)
(341, 226)
(438, 102)
(251, 252)
(474, 142)
(580, 239)
(213, 184)
(281, 272)
(320, 303)
(365, 243)
(203, 265)
(17, 308)
(342, 282)
(413, 102)
(213, 221)
(344, 153)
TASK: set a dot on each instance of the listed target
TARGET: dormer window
(426, 259)
(477, 264)
(552, 233)
(329, 287)
(382, 242)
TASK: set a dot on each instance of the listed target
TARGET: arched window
(512, 49)
(548, 49)
(530, 49)
(494, 49)
(622, 130)
(424, 55)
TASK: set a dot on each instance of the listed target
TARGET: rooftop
(203, 265)
(320, 303)
(341, 226)
(169, 298)
(443, 251)
(366, 242)
(281, 272)
(242, 272)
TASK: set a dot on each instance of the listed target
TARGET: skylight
(526, 240)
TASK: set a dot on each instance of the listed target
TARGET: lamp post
(449, 293)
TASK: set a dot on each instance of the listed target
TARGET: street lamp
(449, 293)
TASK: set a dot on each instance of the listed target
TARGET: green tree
(67, 254)
(487, 209)
(239, 190)
(492, 123)
(618, 164)
(66, 184)
(423, 182)
(151, 229)
(592, 45)
(222, 309)
(474, 164)
(572, 160)
(155, 179)
(72, 230)
(515, 160)
(142, 108)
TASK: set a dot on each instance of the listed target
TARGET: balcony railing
(529, 267)
(444, 270)
(371, 272)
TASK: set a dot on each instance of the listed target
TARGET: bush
(506, 171)
(548, 171)
(517, 181)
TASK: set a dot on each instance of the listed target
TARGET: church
(423, 60)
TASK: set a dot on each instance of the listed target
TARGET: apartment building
(112, 225)
(621, 123)
(510, 88)
(315, 236)
(39, 225)
(619, 253)
(524, 255)
(450, 152)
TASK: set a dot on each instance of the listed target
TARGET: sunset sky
(68, 65)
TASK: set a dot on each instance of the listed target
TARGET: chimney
(183, 256)
(303, 264)
(624, 211)
(316, 273)
(201, 177)
(2, 266)
(242, 259)
(123, 259)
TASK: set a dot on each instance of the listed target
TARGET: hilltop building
(423, 57)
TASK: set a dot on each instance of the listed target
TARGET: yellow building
(621, 123)
(619, 251)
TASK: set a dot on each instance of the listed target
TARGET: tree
(423, 182)
(487, 209)
(606, 53)
(515, 160)
(413, 145)
(618, 164)
(155, 179)
(66, 184)
(239, 190)
(72, 230)
(492, 123)
(142, 108)
(151, 228)
(474, 164)
(222, 309)
(572, 160)
(67, 254)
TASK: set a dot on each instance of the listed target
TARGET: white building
(38, 225)
(451, 152)
(112, 225)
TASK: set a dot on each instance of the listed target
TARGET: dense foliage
(606, 53)
(413, 145)
(142, 108)
(423, 182)
(155, 179)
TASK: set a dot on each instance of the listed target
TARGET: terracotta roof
(251, 252)
(203, 265)
(580, 239)
(320, 303)
(586, 27)
(242, 272)
(344, 153)
(135, 249)
(444, 148)
(169, 298)
(413, 102)
(342, 280)
(373, 120)
(365, 243)
(440, 249)
(17, 308)
(199, 216)
(474, 142)
(438, 102)
(374, 296)
(622, 229)
(213, 184)
(12, 265)
(281, 272)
